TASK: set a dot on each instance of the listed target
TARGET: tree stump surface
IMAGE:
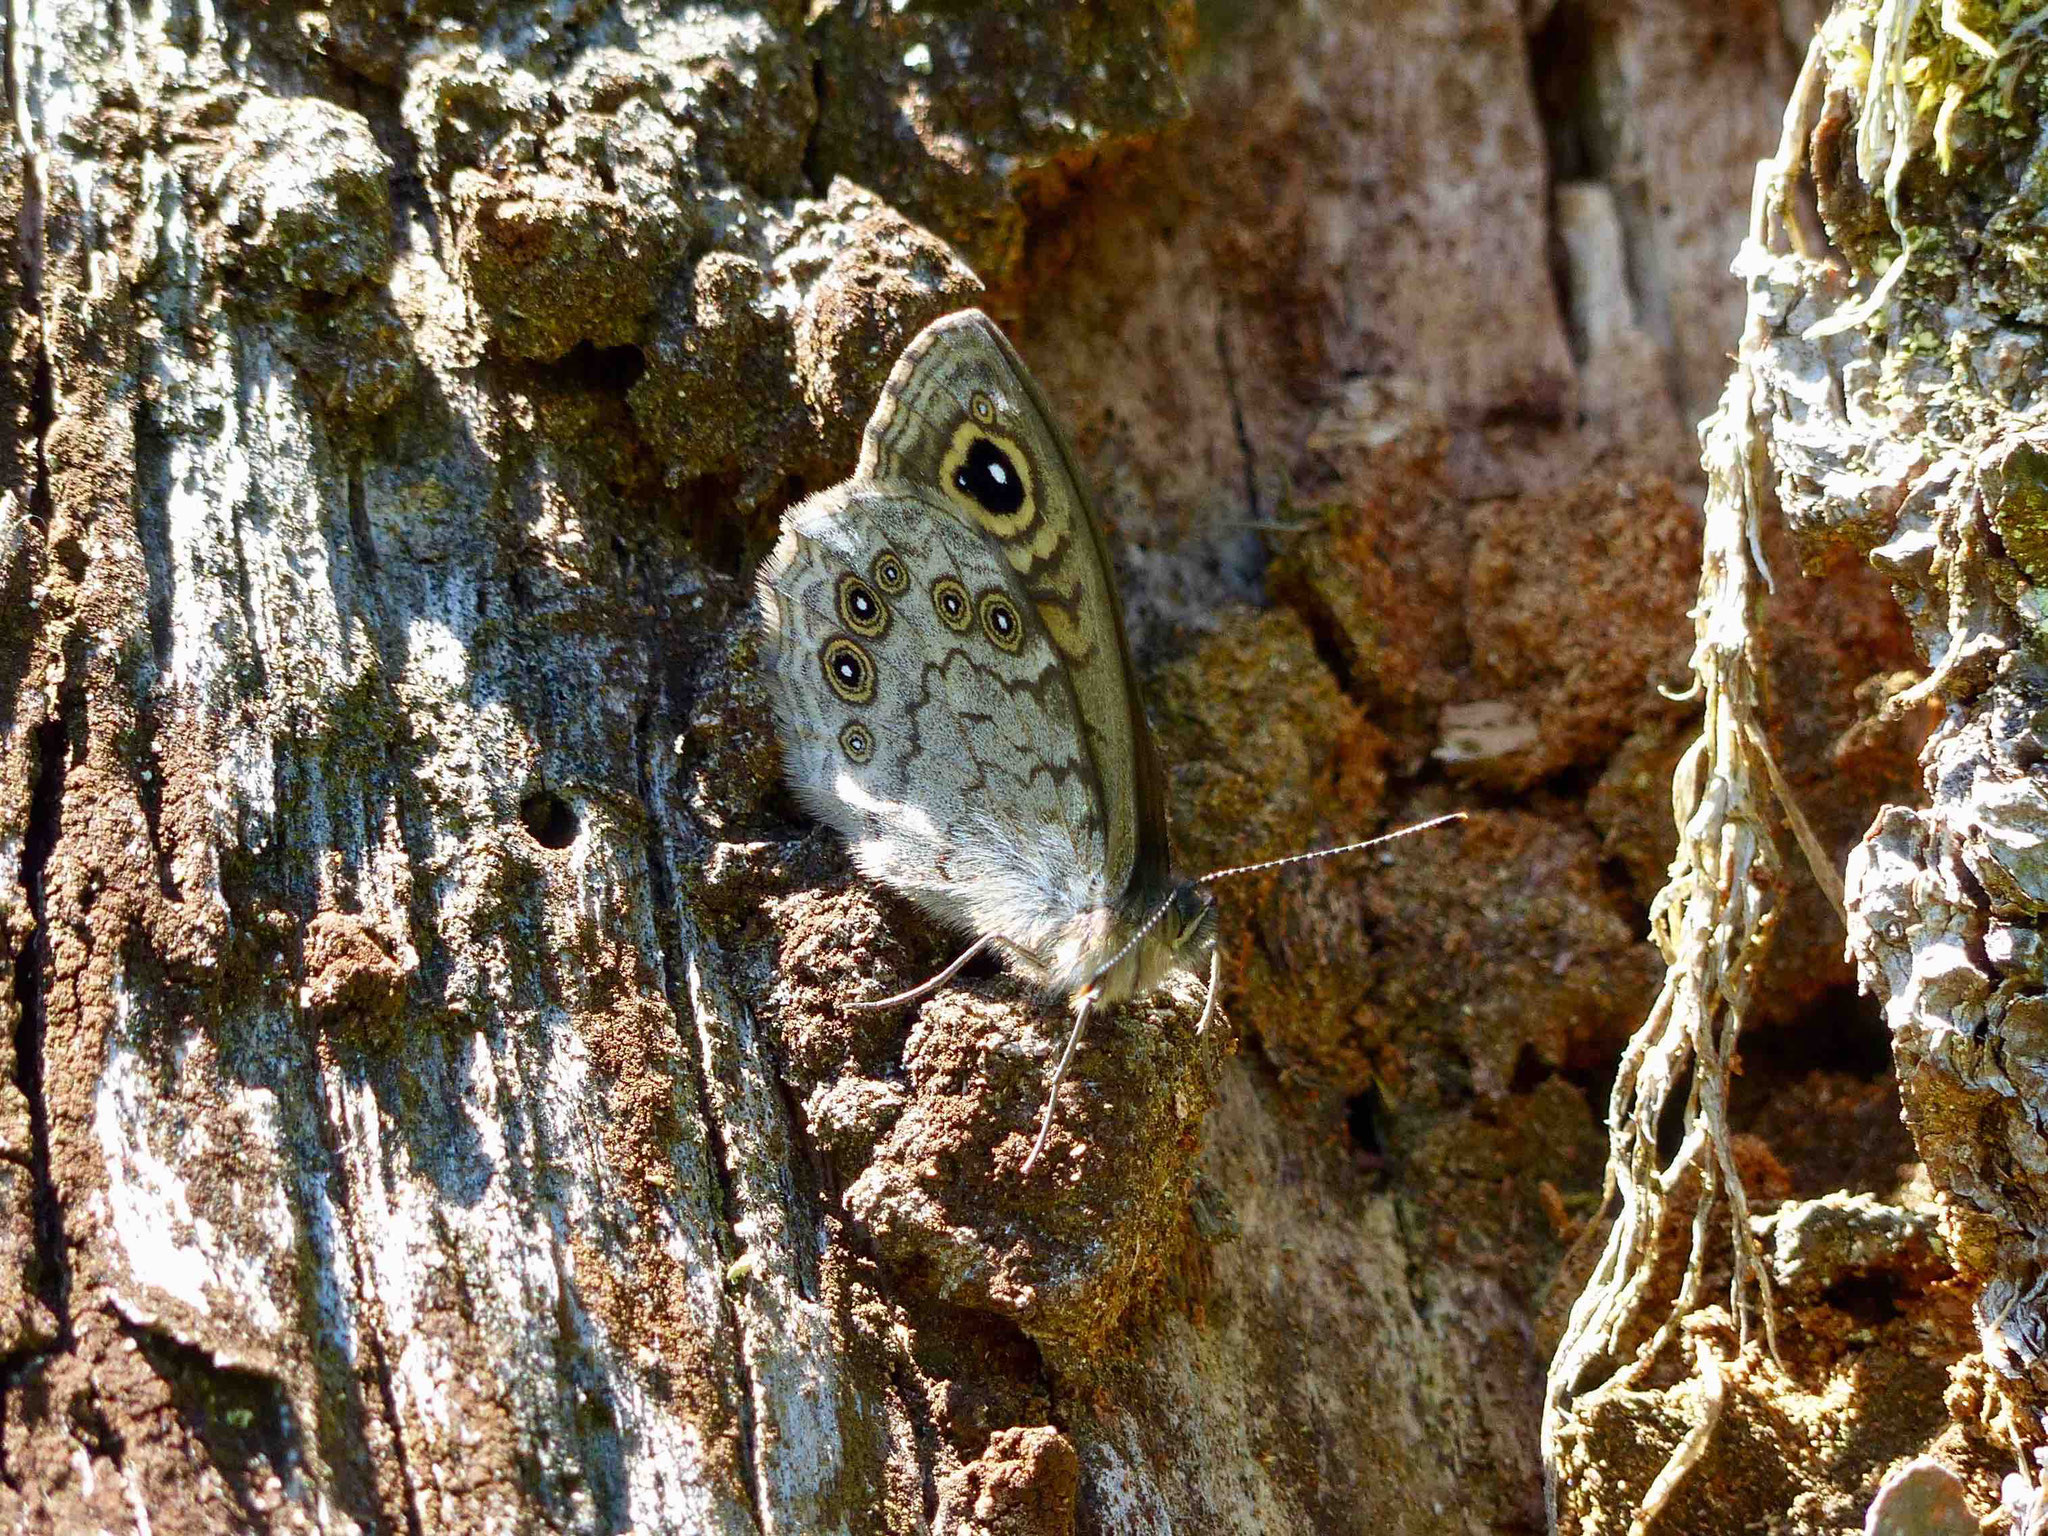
(430, 1106)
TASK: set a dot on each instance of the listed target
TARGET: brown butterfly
(955, 695)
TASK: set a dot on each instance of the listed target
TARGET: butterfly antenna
(924, 988)
(1052, 1094)
(1326, 853)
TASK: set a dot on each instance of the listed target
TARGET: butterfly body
(953, 687)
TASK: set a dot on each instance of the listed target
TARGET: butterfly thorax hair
(1127, 951)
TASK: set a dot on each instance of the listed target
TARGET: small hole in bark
(1364, 1115)
(1531, 1071)
(549, 818)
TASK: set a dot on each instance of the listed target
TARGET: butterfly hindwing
(926, 715)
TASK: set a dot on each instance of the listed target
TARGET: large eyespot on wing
(849, 670)
(992, 477)
(988, 475)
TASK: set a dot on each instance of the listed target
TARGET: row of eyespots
(956, 610)
(861, 608)
(850, 671)
(864, 611)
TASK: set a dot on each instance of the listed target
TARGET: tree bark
(432, 1109)
(1926, 453)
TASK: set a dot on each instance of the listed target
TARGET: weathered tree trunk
(1886, 402)
(434, 1112)
(1927, 448)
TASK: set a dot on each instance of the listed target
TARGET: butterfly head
(1190, 925)
(1175, 933)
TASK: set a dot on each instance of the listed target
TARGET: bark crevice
(1238, 424)
(31, 967)
(51, 1281)
(668, 935)
(359, 520)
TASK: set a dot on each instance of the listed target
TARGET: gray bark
(431, 1111)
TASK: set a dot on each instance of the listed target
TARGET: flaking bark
(430, 1109)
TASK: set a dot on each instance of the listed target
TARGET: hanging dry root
(1712, 921)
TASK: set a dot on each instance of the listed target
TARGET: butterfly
(954, 693)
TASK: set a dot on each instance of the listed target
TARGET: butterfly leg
(924, 988)
(1052, 1094)
(1215, 978)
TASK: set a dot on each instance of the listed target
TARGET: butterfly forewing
(961, 421)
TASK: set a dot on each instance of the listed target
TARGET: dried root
(1712, 921)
